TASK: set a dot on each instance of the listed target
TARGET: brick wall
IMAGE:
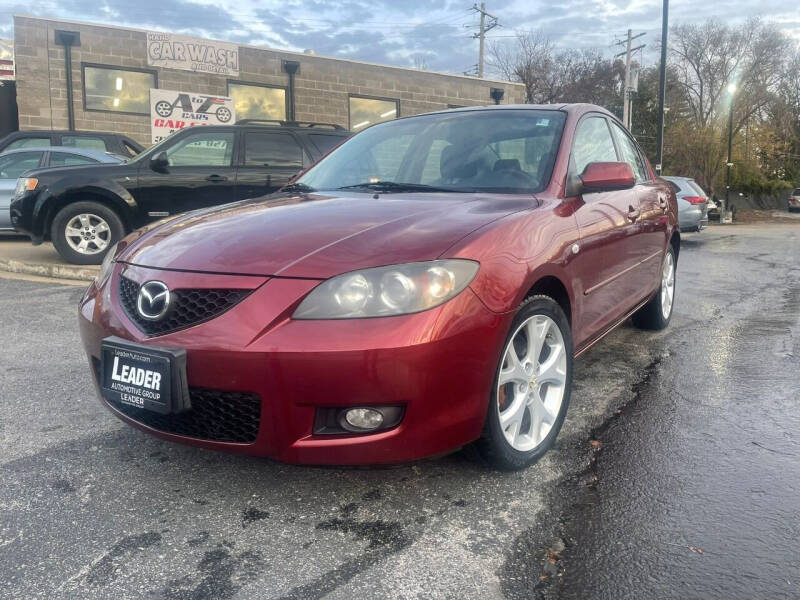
(322, 85)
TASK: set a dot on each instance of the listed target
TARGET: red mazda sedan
(423, 287)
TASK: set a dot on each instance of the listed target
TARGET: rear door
(201, 173)
(269, 159)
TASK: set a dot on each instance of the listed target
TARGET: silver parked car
(693, 203)
(14, 163)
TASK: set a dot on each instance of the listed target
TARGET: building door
(9, 120)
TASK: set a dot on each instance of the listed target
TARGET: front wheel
(657, 313)
(83, 232)
(531, 388)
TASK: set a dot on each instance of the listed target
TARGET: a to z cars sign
(170, 111)
(192, 54)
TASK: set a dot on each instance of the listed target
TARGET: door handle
(216, 178)
(633, 213)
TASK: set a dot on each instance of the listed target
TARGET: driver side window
(592, 143)
(206, 149)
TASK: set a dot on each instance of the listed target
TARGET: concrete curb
(54, 270)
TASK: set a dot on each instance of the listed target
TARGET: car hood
(316, 235)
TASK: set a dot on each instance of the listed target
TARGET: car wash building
(144, 84)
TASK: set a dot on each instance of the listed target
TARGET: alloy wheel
(532, 382)
(87, 234)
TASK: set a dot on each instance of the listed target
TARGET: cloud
(387, 31)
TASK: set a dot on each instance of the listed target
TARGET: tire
(94, 226)
(494, 444)
(652, 315)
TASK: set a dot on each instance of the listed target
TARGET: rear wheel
(531, 387)
(657, 313)
(83, 232)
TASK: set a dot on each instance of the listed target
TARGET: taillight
(695, 199)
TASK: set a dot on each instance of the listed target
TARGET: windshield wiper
(298, 187)
(392, 186)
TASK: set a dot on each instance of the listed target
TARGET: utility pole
(481, 35)
(626, 91)
(662, 86)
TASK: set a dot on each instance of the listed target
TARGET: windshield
(506, 151)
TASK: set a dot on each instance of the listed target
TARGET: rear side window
(326, 143)
(796, 192)
(675, 187)
(28, 142)
(592, 144)
(81, 141)
(630, 154)
(14, 165)
(62, 159)
(696, 187)
(271, 150)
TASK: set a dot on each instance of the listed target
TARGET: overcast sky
(401, 32)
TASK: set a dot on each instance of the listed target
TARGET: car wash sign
(170, 111)
(192, 54)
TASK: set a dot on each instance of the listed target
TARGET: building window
(253, 101)
(368, 111)
(117, 90)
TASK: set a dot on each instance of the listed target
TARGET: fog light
(363, 418)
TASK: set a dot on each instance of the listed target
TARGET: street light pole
(727, 203)
(662, 86)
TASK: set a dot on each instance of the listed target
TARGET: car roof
(574, 108)
(87, 152)
(40, 132)
(676, 178)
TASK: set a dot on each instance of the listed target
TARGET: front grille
(215, 415)
(189, 306)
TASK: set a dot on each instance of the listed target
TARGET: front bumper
(23, 218)
(438, 364)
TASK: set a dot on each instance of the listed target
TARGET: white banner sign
(170, 111)
(192, 54)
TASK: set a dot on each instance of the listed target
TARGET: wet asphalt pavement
(677, 473)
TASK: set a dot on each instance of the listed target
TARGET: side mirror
(159, 162)
(606, 177)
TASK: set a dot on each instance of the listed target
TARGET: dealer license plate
(144, 376)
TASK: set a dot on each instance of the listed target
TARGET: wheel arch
(675, 242)
(552, 286)
(99, 195)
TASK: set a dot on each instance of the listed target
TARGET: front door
(608, 224)
(270, 160)
(653, 220)
(201, 173)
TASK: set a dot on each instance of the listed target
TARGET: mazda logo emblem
(153, 300)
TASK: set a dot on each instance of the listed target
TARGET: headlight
(106, 265)
(25, 184)
(386, 291)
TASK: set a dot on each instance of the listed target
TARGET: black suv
(88, 140)
(85, 210)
